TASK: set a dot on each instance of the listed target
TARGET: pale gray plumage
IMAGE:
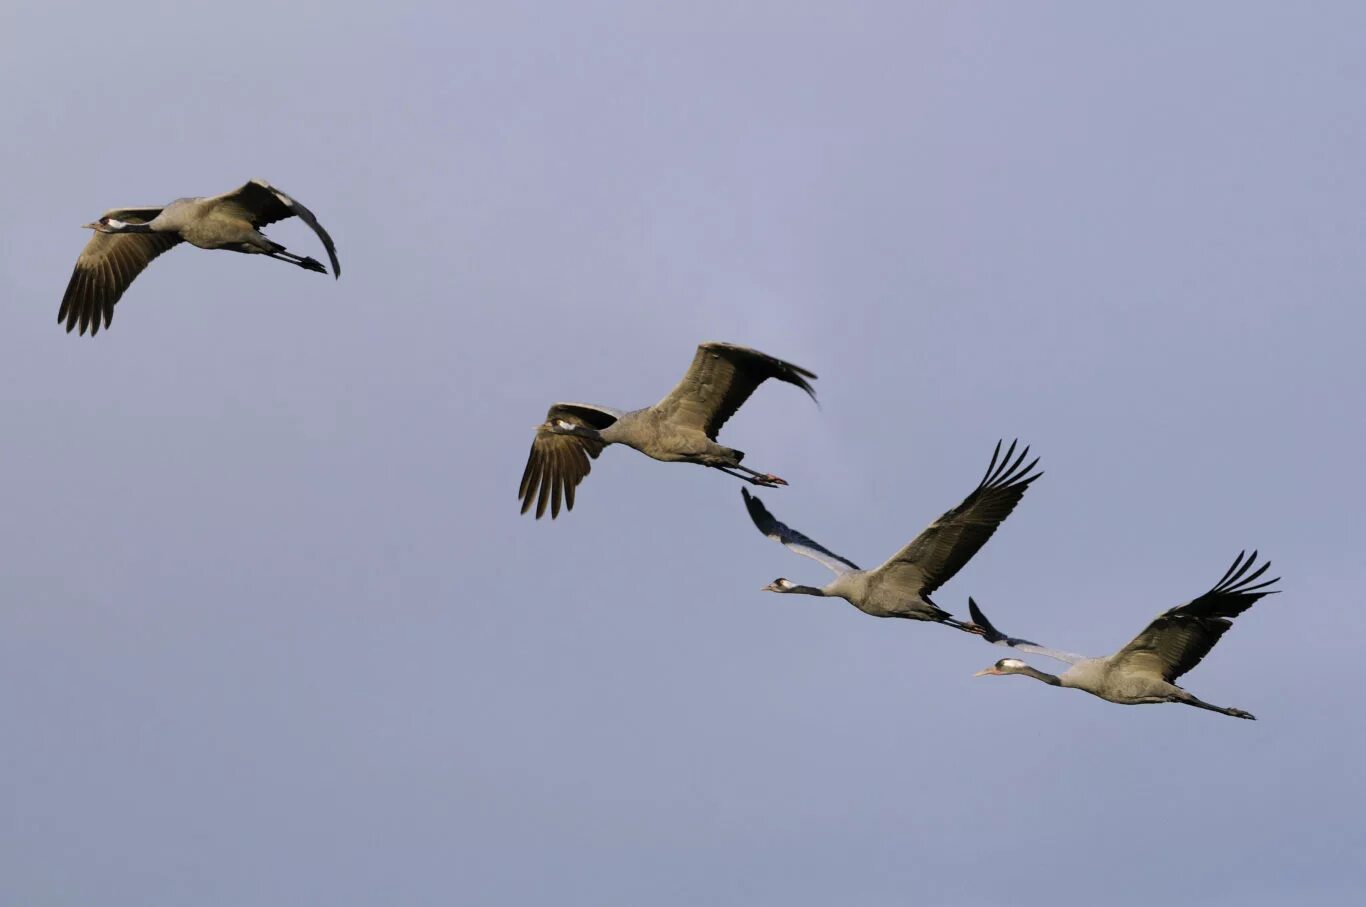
(126, 241)
(1145, 670)
(902, 586)
(680, 428)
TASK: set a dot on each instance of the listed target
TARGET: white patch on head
(1012, 663)
(114, 222)
(786, 583)
(563, 424)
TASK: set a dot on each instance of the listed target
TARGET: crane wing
(720, 380)
(934, 556)
(558, 463)
(791, 538)
(262, 204)
(106, 267)
(1177, 640)
(997, 638)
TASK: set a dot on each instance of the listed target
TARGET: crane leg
(303, 261)
(1201, 704)
(753, 477)
(965, 627)
(766, 478)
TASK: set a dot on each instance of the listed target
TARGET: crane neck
(1050, 679)
(806, 590)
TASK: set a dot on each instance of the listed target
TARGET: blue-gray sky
(273, 632)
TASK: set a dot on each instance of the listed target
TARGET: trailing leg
(965, 627)
(1188, 699)
(303, 261)
(765, 478)
(754, 478)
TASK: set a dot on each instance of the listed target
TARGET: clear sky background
(273, 632)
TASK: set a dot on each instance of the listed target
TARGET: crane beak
(988, 671)
(94, 226)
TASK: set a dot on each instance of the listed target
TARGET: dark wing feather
(558, 463)
(1233, 594)
(106, 267)
(997, 638)
(263, 204)
(1177, 640)
(939, 552)
(720, 380)
(791, 538)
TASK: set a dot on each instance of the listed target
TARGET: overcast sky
(272, 630)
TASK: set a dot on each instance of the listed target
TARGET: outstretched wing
(939, 552)
(786, 535)
(1178, 639)
(720, 380)
(263, 204)
(106, 267)
(558, 463)
(997, 638)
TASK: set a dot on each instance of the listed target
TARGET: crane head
(1004, 666)
(107, 225)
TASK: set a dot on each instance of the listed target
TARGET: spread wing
(939, 552)
(786, 535)
(263, 204)
(1178, 639)
(997, 638)
(720, 380)
(558, 463)
(105, 268)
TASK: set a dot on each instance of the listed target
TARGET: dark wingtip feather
(543, 493)
(527, 473)
(1009, 470)
(793, 374)
(1009, 473)
(991, 467)
(1229, 572)
(763, 520)
(1247, 580)
(1237, 580)
(989, 631)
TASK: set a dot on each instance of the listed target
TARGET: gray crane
(902, 586)
(681, 428)
(1146, 669)
(127, 239)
